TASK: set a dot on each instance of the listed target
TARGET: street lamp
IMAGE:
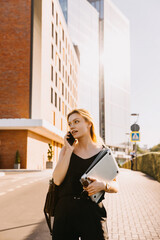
(135, 127)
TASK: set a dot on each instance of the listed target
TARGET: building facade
(83, 26)
(38, 84)
(114, 73)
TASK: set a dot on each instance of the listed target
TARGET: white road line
(24, 184)
(10, 190)
(18, 186)
(2, 193)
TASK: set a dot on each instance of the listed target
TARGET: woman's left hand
(94, 187)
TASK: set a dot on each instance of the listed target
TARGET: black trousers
(76, 218)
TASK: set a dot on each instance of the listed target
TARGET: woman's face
(78, 126)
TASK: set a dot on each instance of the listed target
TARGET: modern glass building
(114, 73)
(83, 26)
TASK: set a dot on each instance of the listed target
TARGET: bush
(148, 163)
(17, 160)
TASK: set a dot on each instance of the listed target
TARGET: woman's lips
(74, 132)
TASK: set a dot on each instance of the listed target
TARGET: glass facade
(99, 5)
(64, 6)
(114, 73)
(83, 26)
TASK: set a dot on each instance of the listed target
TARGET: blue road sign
(135, 136)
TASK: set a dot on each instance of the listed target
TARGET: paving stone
(134, 212)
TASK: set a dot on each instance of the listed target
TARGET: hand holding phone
(70, 139)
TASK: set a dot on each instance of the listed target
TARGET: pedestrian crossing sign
(135, 136)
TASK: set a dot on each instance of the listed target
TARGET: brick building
(38, 81)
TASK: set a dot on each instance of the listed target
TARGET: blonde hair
(88, 118)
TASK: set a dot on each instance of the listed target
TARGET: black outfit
(76, 215)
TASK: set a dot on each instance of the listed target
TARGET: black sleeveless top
(71, 185)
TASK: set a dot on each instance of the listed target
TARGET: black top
(71, 185)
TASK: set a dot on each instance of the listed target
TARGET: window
(62, 34)
(61, 124)
(52, 51)
(59, 64)
(52, 30)
(66, 76)
(56, 39)
(55, 99)
(68, 81)
(52, 9)
(56, 80)
(51, 95)
(60, 46)
(70, 69)
(63, 71)
(56, 18)
(66, 93)
(59, 104)
(63, 108)
(52, 73)
(54, 118)
(62, 88)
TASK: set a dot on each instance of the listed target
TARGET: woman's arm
(97, 186)
(63, 162)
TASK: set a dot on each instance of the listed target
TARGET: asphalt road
(133, 212)
(22, 197)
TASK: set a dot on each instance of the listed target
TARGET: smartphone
(71, 139)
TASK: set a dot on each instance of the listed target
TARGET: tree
(155, 148)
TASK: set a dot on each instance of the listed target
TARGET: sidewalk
(133, 213)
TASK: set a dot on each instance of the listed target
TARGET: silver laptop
(105, 168)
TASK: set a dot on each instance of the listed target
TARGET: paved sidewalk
(134, 212)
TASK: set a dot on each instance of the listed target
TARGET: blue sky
(144, 17)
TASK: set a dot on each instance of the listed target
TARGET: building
(83, 26)
(39, 81)
(114, 74)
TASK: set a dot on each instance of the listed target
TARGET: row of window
(67, 80)
(58, 60)
(58, 102)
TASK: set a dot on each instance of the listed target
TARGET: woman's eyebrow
(74, 120)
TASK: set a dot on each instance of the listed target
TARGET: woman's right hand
(66, 143)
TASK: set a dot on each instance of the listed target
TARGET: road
(22, 197)
(133, 212)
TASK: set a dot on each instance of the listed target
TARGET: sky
(144, 18)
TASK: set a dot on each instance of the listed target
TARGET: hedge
(148, 163)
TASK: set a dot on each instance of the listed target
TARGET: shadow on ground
(40, 232)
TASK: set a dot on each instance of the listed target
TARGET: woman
(76, 215)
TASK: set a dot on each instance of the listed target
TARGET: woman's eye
(76, 121)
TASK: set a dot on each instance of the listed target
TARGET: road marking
(10, 190)
(2, 193)
(18, 186)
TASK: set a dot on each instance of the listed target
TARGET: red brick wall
(15, 36)
(10, 142)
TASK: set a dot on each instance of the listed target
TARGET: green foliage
(140, 150)
(155, 148)
(50, 152)
(17, 160)
(148, 163)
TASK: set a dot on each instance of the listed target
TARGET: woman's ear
(89, 125)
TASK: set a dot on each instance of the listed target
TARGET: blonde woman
(76, 215)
